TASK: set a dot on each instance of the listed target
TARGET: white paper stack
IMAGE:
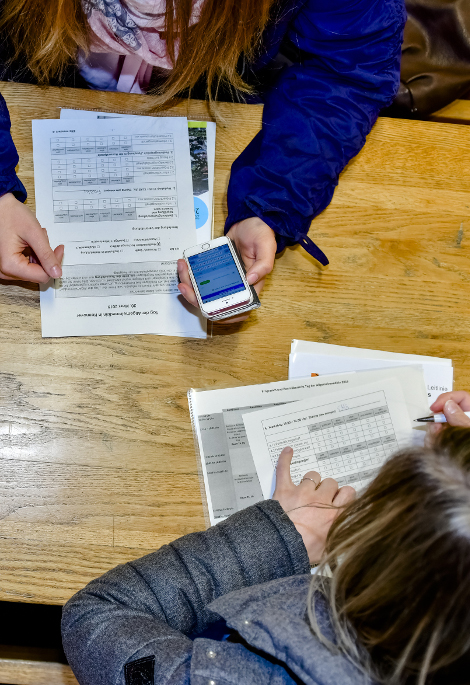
(317, 359)
(202, 151)
(345, 426)
(125, 196)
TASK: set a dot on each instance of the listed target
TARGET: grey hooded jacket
(132, 625)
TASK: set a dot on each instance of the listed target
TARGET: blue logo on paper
(200, 212)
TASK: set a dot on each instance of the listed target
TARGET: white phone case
(239, 310)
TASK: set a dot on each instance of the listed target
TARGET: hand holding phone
(218, 279)
(256, 243)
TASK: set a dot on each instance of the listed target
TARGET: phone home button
(205, 246)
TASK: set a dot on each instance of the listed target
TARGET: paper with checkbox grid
(346, 435)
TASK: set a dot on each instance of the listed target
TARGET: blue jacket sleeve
(318, 115)
(9, 181)
(148, 607)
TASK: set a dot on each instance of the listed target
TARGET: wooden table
(458, 112)
(97, 454)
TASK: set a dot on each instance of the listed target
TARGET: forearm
(157, 600)
(317, 116)
(9, 181)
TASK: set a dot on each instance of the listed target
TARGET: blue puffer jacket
(316, 116)
(136, 624)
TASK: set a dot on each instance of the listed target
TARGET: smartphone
(218, 278)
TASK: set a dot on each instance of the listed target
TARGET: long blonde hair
(399, 556)
(48, 33)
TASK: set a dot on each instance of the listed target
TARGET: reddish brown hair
(49, 32)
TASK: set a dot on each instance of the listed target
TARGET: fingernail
(451, 406)
(252, 278)
(56, 272)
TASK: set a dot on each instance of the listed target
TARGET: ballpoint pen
(437, 418)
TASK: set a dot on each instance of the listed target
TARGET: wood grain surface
(97, 454)
(24, 672)
(33, 666)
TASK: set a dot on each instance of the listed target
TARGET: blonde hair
(47, 33)
(399, 556)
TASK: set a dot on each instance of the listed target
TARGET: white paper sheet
(230, 479)
(118, 194)
(346, 435)
(203, 194)
(308, 358)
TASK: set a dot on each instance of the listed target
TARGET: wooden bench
(33, 666)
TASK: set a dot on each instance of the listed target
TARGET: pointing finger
(283, 477)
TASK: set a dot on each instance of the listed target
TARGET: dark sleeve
(146, 608)
(9, 181)
(319, 113)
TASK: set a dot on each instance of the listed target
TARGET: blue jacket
(316, 116)
(136, 624)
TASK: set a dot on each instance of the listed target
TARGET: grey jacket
(132, 625)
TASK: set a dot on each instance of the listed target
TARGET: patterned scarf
(118, 19)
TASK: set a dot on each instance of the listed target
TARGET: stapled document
(118, 193)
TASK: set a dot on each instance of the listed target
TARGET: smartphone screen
(216, 273)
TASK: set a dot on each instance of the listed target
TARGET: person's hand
(256, 243)
(453, 405)
(19, 229)
(312, 505)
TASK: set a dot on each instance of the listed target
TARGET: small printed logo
(201, 213)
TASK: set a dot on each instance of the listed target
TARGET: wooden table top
(97, 454)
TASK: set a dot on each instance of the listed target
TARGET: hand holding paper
(20, 230)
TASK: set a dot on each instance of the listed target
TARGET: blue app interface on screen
(216, 273)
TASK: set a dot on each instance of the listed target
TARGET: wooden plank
(21, 665)
(44, 573)
(24, 672)
(97, 457)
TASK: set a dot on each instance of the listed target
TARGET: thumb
(264, 261)
(59, 253)
(48, 258)
(454, 414)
